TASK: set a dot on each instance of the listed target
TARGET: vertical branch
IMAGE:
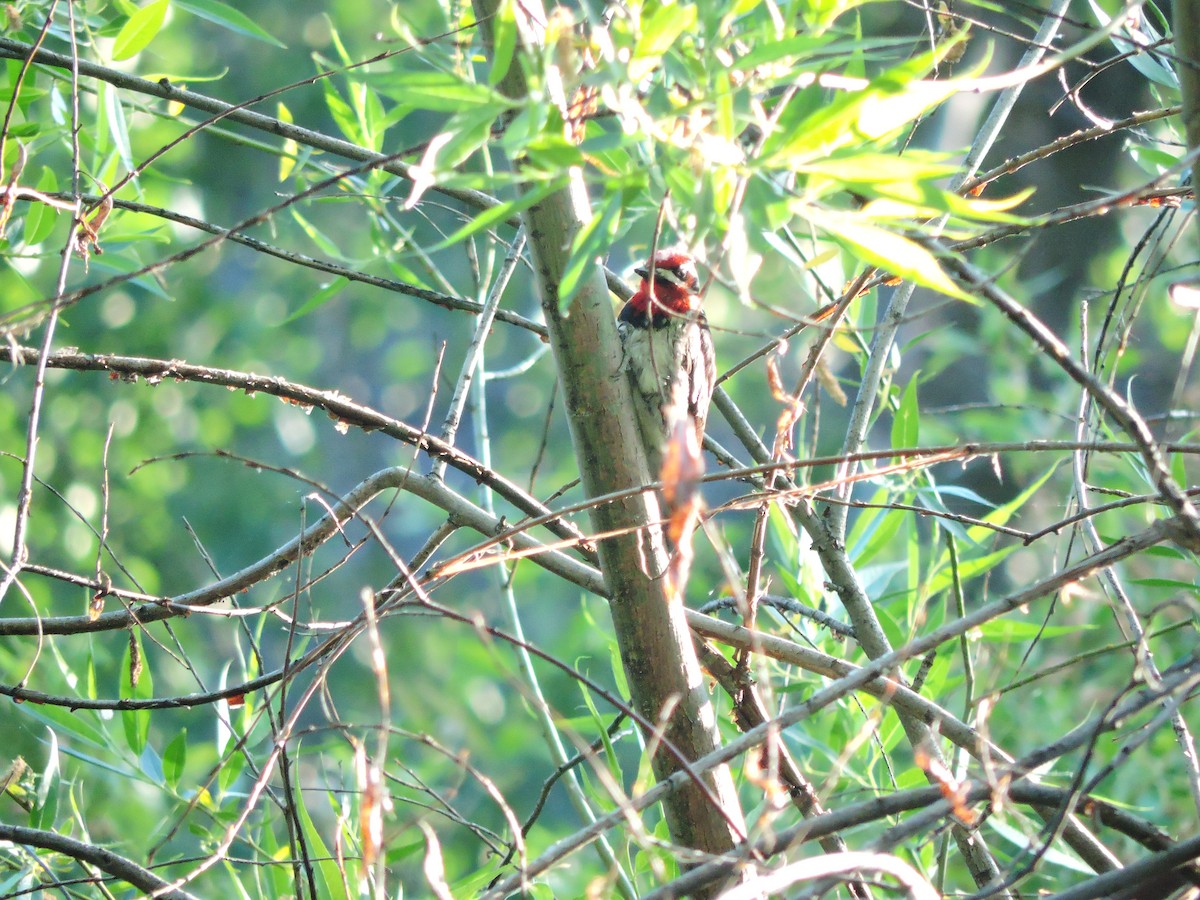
(20, 551)
(656, 650)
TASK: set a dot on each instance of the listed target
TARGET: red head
(675, 287)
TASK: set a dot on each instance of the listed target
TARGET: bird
(668, 352)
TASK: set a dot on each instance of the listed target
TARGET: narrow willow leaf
(229, 18)
(328, 247)
(49, 785)
(1003, 514)
(810, 129)
(320, 298)
(499, 213)
(140, 30)
(117, 126)
(40, 219)
(137, 683)
(342, 114)
(504, 42)
(895, 254)
(1016, 631)
(589, 245)
(287, 159)
(880, 536)
(439, 91)
(660, 30)
(326, 868)
(907, 420)
(610, 755)
(175, 759)
(968, 569)
(869, 167)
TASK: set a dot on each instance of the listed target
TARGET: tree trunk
(656, 649)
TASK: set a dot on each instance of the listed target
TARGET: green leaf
(469, 130)
(24, 130)
(894, 253)
(812, 129)
(1001, 515)
(136, 722)
(618, 669)
(504, 42)
(499, 213)
(328, 247)
(907, 419)
(125, 263)
(662, 28)
(785, 546)
(114, 124)
(869, 167)
(589, 245)
(440, 91)
(229, 18)
(968, 569)
(343, 115)
(320, 298)
(874, 531)
(39, 221)
(231, 766)
(370, 111)
(140, 30)
(326, 868)
(49, 784)
(175, 759)
(151, 765)
(1016, 631)
(290, 149)
(552, 153)
(610, 754)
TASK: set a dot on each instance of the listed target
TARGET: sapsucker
(668, 352)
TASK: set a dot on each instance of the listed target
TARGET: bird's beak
(641, 272)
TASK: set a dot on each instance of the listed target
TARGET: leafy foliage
(263, 591)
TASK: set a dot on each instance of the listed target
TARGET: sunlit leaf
(893, 253)
(140, 30)
(1019, 631)
(438, 91)
(812, 129)
(343, 114)
(504, 41)
(589, 246)
(318, 237)
(867, 166)
(1002, 515)
(906, 420)
(660, 30)
(287, 158)
(969, 568)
